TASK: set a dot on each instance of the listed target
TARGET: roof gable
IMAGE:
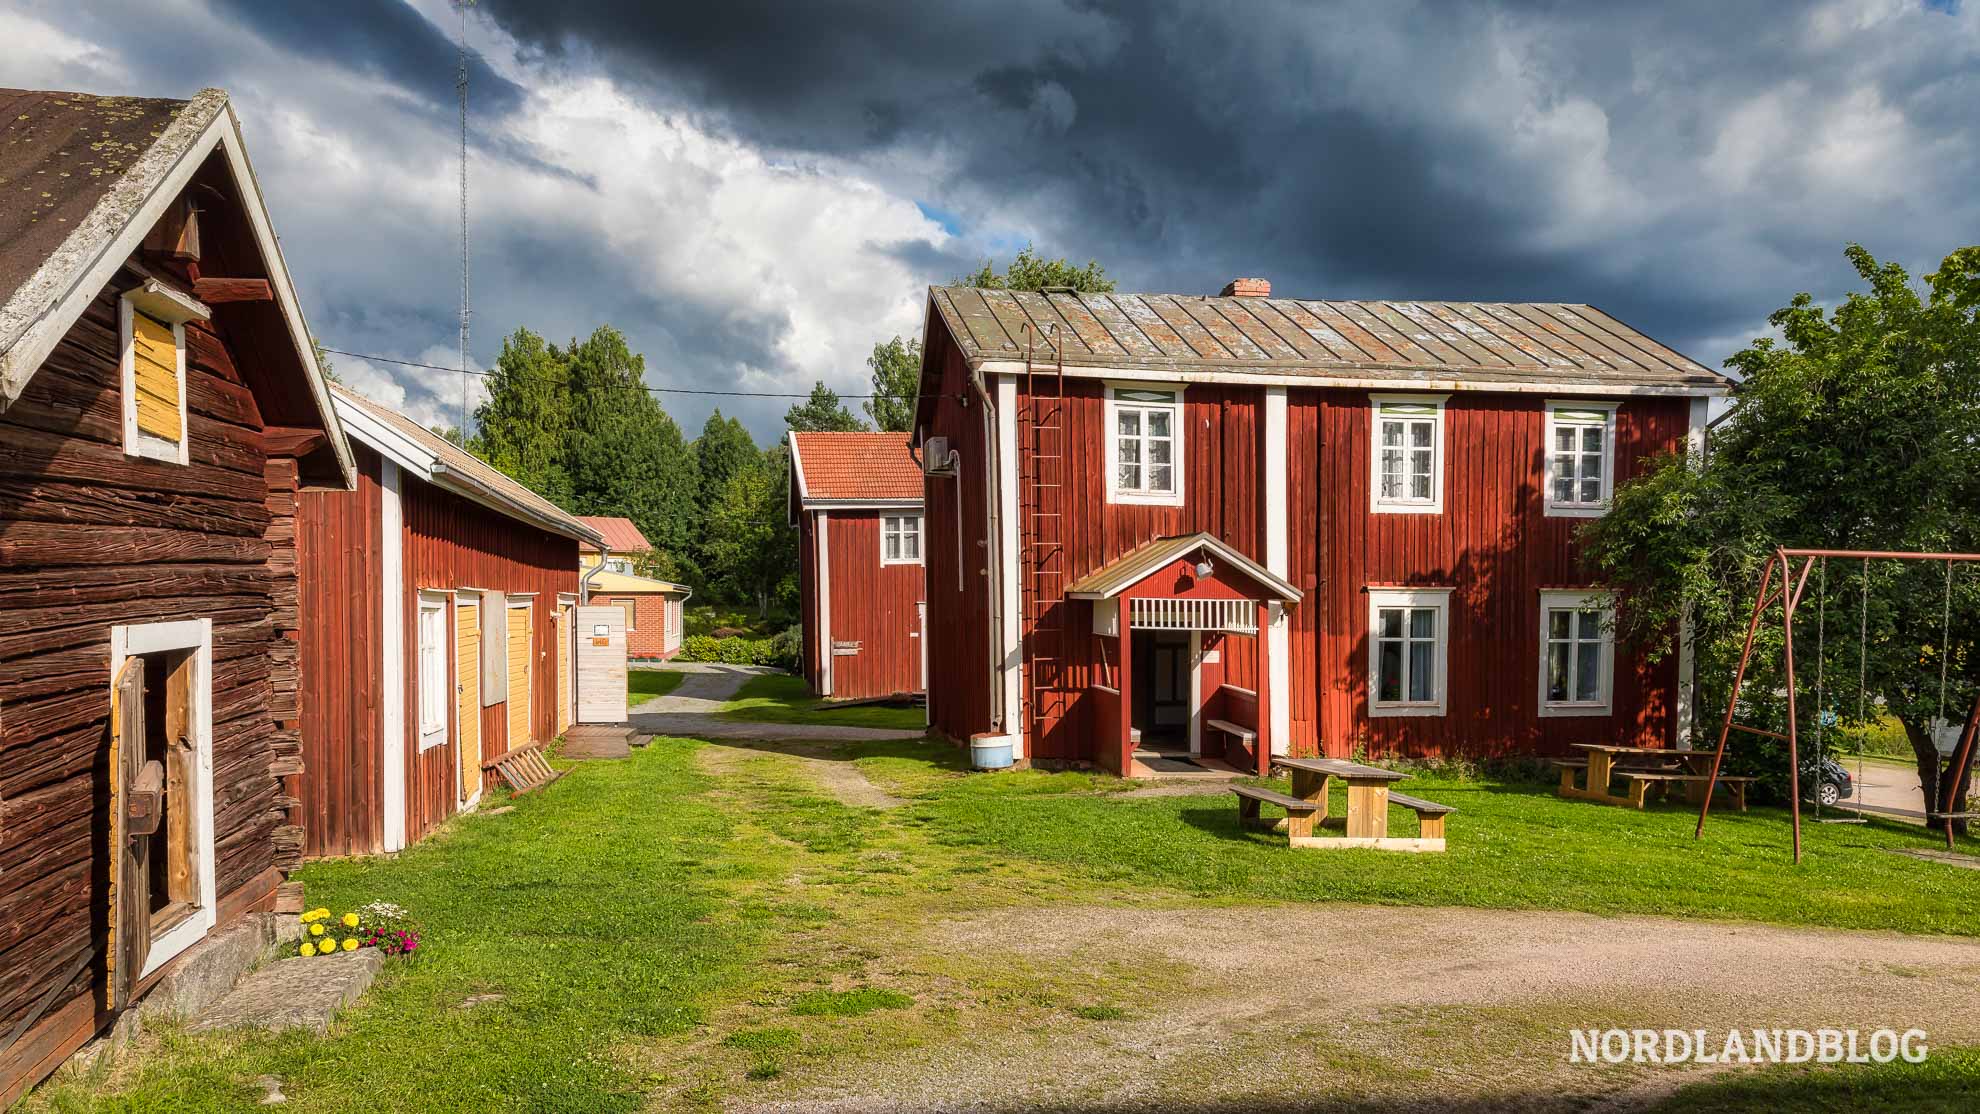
(855, 468)
(1457, 345)
(1136, 566)
(110, 167)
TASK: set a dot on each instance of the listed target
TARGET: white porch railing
(1228, 616)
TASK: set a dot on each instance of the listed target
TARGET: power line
(638, 386)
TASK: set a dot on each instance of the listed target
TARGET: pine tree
(822, 412)
(625, 455)
(523, 426)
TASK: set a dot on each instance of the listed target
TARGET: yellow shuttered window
(155, 377)
(154, 318)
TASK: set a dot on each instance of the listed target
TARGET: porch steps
(306, 992)
(203, 976)
(1155, 765)
(598, 740)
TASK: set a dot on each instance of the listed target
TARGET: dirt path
(823, 761)
(1325, 1005)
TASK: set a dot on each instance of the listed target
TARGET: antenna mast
(461, 85)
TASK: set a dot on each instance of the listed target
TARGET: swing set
(1784, 579)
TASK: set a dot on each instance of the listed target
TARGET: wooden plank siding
(874, 605)
(955, 556)
(91, 539)
(450, 544)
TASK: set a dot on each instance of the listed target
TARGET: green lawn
(667, 934)
(1511, 846)
(780, 698)
(645, 684)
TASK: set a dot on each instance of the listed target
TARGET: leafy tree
(446, 432)
(896, 368)
(744, 541)
(1030, 271)
(822, 412)
(524, 426)
(323, 363)
(1859, 430)
(624, 454)
(723, 449)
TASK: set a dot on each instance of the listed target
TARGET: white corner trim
(1178, 442)
(195, 635)
(138, 443)
(821, 536)
(392, 657)
(1552, 424)
(1278, 560)
(1439, 462)
(1438, 598)
(1004, 497)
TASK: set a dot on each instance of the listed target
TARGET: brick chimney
(1247, 288)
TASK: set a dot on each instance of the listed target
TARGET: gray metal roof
(1487, 344)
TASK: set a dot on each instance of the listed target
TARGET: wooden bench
(1641, 782)
(523, 769)
(1300, 815)
(1429, 814)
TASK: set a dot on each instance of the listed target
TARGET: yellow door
(563, 667)
(467, 681)
(519, 675)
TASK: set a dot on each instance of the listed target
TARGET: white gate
(601, 664)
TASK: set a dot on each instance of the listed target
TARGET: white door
(601, 664)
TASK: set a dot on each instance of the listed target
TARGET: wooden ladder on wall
(1042, 466)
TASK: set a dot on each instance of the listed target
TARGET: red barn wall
(875, 605)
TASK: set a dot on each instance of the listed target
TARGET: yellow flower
(318, 913)
(350, 944)
(308, 948)
(350, 920)
(316, 930)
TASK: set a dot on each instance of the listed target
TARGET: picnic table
(1645, 769)
(1368, 798)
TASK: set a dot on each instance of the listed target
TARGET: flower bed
(380, 925)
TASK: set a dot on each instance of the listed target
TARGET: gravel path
(1338, 1006)
(823, 761)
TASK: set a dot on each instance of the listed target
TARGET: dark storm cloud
(1512, 151)
(381, 38)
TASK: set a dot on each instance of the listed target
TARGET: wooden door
(137, 790)
(520, 672)
(601, 665)
(563, 667)
(467, 694)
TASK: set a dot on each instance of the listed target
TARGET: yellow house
(654, 608)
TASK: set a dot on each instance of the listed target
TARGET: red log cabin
(160, 407)
(856, 500)
(441, 594)
(1232, 527)
(655, 609)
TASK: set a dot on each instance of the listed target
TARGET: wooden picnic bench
(1367, 821)
(523, 769)
(1644, 769)
(1643, 782)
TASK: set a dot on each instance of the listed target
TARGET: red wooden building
(856, 500)
(441, 594)
(655, 609)
(1240, 525)
(160, 405)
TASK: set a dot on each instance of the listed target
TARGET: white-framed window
(1406, 454)
(1408, 646)
(1145, 444)
(1577, 653)
(152, 325)
(433, 687)
(900, 539)
(1581, 458)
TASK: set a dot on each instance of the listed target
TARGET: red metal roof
(855, 468)
(621, 536)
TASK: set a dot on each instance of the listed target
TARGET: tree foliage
(749, 546)
(1859, 429)
(896, 372)
(524, 426)
(626, 456)
(822, 412)
(1031, 271)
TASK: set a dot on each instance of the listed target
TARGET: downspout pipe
(993, 475)
(584, 582)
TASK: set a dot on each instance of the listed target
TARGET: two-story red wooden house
(856, 500)
(1242, 526)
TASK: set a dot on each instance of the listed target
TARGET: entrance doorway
(1161, 690)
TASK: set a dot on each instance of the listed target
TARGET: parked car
(1826, 781)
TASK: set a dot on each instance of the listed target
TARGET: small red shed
(441, 596)
(856, 501)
